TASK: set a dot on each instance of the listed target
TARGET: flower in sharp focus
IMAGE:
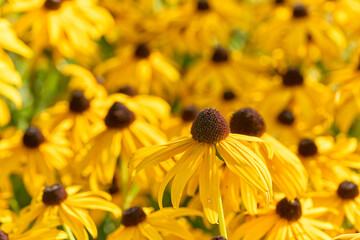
(198, 161)
(70, 206)
(141, 223)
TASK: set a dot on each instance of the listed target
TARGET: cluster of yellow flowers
(250, 108)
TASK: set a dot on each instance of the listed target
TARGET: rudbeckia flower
(198, 163)
(141, 223)
(143, 69)
(303, 34)
(123, 135)
(286, 170)
(39, 152)
(343, 197)
(67, 26)
(69, 205)
(9, 77)
(289, 219)
(298, 93)
(222, 71)
(321, 158)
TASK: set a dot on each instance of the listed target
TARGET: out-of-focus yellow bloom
(67, 26)
(142, 223)
(123, 135)
(327, 161)
(303, 33)
(199, 165)
(298, 93)
(354, 236)
(287, 220)
(69, 205)
(39, 152)
(144, 70)
(9, 78)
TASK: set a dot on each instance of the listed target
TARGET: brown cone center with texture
(247, 121)
(286, 117)
(348, 190)
(289, 210)
(78, 102)
(209, 126)
(119, 116)
(52, 4)
(219, 238)
(142, 51)
(3, 235)
(33, 137)
(133, 216)
(54, 195)
(189, 113)
(307, 148)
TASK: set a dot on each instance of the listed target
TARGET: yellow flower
(286, 169)
(68, 26)
(321, 155)
(145, 70)
(142, 223)
(303, 33)
(198, 164)
(69, 205)
(287, 220)
(298, 93)
(123, 135)
(343, 197)
(354, 236)
(40, 151)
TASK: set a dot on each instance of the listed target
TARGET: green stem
(124, 179)
(222, 226)
(69, 232)
(131, 194)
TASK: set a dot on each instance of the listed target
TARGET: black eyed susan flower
(298, 92)
(286, 169)
(123, 135)
(143, 69)
(289, 219)
(210, 133)
(143, 223)
(39, 152)
(321, 155)
(51, 20)
(343, 197)
(70, 206)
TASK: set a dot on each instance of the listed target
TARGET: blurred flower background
(179, 119)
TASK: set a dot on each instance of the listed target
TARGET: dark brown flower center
(52, 4)
(307, 148)
(78, 102)
(119, 116)
(289, 210)
(220, 55)
(286, 117)
(114, 187)
(348, 190)
(128, 91)
(292, 77)
(33, 137)
(209, 126)
(133, 216)
(229, 95)
(203, 5)
(247, 121)
(300, 11)
(218, 238)
(142, 51)
(54, 195)
(189, 113)
(3, 235)
(279, 1)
